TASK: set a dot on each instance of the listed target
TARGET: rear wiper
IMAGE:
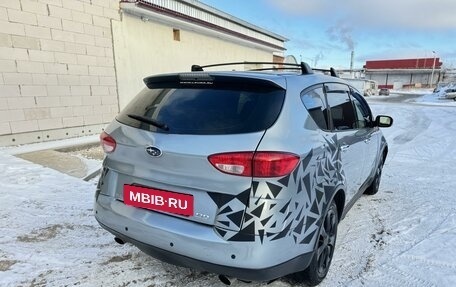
(155, 123)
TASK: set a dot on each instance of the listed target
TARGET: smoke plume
(342, 33)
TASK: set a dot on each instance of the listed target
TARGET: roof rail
(331, 71)
(304, 67)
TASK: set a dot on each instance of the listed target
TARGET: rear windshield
(203, 111)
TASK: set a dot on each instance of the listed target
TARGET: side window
(314, 101)
(342, 112)
(361, 110)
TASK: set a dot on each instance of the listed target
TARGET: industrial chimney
(352, 58)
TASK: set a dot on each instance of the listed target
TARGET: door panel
(367, 133)
(353, 148)
(350, 140)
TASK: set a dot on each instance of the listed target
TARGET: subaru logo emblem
(153, 151)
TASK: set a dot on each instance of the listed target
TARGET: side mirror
(383, 121)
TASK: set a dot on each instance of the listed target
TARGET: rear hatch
(167, 135)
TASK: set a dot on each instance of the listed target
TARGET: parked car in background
(243, 174)
(384, 92)
(450, 93)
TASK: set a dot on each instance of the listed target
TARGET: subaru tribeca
(243, 174)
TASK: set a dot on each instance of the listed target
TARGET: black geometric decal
(319, 195)
(298, 228)
(257, 212)
(307, 159)
(310, 221)
(307, 239)
(314, 208)
(284, 181)
(275, 189)
(283, 233)
(255, 187)
(250, 229)
(265, 221)
(284, 208)
(220, 199)
(325, 205)
(299, 214)
(295, 174)
(288, 215)
(226, 210)
(254, 209)
(221, 231)
(236, 217)
(244, 196)
(247, 234)
(306, 181)
(261, 233)
(328, 191)
(247, 217)
(242, 237)
(320, 171)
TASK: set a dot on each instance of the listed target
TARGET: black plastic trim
(266, 274)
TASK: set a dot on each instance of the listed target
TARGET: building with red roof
(418, 72)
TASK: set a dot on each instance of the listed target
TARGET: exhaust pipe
(225, 280)
(118, 240)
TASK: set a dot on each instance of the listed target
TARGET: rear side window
(205, 111)
(314, 101)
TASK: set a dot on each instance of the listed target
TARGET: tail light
(255, 164)
(107, 142)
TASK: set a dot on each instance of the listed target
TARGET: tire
(374, 186)
(326, 243)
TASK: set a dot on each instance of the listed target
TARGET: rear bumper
(198, 246)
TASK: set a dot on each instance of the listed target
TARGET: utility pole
(433, 68)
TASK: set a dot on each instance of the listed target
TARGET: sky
(324, 32)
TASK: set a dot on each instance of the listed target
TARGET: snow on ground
(419, 96)
(403, 236)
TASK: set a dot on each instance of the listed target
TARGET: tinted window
(362, 116)
(314, 101)
(342, 113)
(205, 111)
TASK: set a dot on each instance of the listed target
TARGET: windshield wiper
(155, 123)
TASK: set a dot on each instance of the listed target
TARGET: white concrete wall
(144, 48)
(406, 79)
(57, 76)
(66, 65)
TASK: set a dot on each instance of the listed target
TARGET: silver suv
(243, 174)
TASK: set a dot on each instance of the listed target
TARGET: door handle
(344, 147)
